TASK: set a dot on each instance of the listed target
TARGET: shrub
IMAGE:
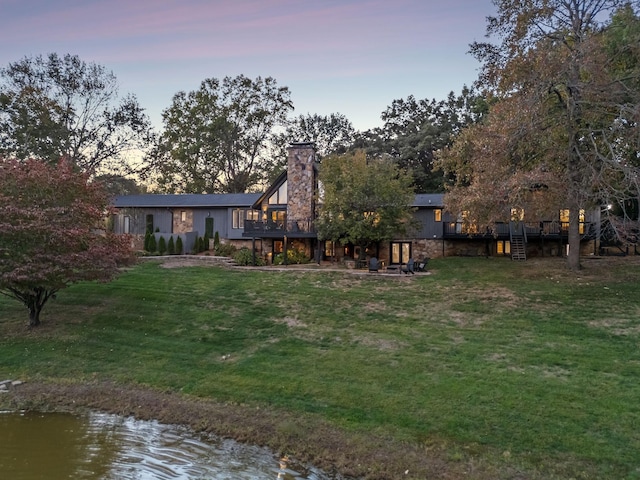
(179, 245)
(294, 256)
(206, 242)
(162, 245)
(171, 246)
(225, 250)
(216, 241)
(244, 256)
(152, 244)
(147, 238)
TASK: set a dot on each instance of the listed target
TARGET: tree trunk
(573, 259)
(34, 315)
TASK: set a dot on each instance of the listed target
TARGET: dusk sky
(352, 57)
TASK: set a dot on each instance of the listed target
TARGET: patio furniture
(373, 264)
(422, 266)
(408, 268)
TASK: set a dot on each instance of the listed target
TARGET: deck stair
(518, 241)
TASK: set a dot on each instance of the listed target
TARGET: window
(238, 217)
(253, 215)
(183, 216)
(437, 215)
(280, 196)
(126, 227)
(564, 220)
(503, 247)
(278, 216)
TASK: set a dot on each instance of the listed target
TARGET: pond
(56, 446)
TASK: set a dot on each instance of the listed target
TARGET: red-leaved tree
(51, 232)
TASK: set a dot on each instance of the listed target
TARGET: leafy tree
(363, 201)
(415, 130)
(215, 138)
(119, 185)
(331, 134)
(48, 232)
(563, 132)
(53, 107)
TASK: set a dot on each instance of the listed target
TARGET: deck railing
(501, 230)
(288, 227)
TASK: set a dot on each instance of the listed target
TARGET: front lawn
(513, 368)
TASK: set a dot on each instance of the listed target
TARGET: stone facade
(301, 183)
(182, 220)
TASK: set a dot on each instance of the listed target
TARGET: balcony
(279, 229)
(547, 229)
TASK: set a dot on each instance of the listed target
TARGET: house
(188, 216)
(283, 217)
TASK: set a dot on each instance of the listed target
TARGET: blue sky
(352, 57)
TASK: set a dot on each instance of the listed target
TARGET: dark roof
(186, 200)
(233, 199)
(429, 200)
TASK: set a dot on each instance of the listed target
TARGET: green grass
(521, 364)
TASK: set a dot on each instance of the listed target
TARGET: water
(57, 446)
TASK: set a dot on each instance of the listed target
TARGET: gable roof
(186, 200)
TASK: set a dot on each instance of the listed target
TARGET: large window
(437, 215)
(280, 196)
(400, 252)
(126, 227)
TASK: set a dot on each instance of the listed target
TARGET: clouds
(379, 44)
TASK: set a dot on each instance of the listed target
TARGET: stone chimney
(301, 182)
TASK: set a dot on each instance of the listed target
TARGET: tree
(415, 130)
(119, 185)
(53, 107)
(215, 138)
(563, 132)
(331, 134)
(49, 232)
(363, 201)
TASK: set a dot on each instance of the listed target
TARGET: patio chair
(408, 268)
(422, 266)
(373, 264)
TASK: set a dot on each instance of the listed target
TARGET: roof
(186, 200)
(247, 200)
(435, 200)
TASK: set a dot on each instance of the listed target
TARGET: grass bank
(490, 367)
